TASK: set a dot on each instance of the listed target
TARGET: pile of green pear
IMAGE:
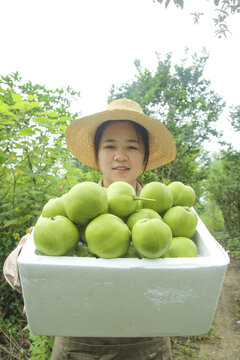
(93, 221)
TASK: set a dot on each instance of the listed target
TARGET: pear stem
(145, 199)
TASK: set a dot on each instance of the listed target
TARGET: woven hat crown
(125, 104)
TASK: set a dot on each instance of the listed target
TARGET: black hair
(142, 134)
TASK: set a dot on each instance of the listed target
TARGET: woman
(122, 142)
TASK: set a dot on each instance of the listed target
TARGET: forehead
(120, 129)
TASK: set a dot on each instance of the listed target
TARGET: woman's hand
(10, 266)
(25, 237)
(31, 229)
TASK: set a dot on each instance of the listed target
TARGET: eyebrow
(129, 140)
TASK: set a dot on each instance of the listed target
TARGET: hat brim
(80, 137)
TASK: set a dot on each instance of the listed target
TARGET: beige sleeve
(10, 267)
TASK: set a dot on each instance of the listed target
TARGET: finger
(31, 229)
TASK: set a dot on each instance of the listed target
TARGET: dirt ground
(223, 342)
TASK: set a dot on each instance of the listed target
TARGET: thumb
(31, 229)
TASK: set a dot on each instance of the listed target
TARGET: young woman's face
(120, 154)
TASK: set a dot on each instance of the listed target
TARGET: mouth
(121, 168)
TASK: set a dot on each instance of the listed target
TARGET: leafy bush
(35, 166)
(212, 217)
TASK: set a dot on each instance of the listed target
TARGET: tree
(32, 125)
(224, 8)
(223, 185)
(182, 99)
(235, 117)
(35, 162)
(35, 166)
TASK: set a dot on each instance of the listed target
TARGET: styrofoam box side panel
(91, 297)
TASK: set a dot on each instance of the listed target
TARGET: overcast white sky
(91, 44)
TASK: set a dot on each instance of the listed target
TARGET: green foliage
(235, 117)
(222, 191)
(35, 166)
(178, 3)
(32, 149)
(182, 99)
(184, 348)
(13, 344)
(224, 8)
(212, 216)
(230, 243)
(223, 185)
(41, 347)
(18, 343)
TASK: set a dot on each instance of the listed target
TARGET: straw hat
(80, 133)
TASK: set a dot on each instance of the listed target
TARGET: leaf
(179, 3)
(19, 171)
(31, 97)
(16, 97)
(4, 110)
(42, 120)
(51, 114)
(62, 127)
(64, 118)
(25, 106)
(7, 121)
(26, 131)
(167, 3)
(10, 222)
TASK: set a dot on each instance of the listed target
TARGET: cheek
(138, 162)
(103, 159)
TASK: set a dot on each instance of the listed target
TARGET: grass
(186, 348)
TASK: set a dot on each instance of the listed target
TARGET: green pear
(108, 236)
(182, 220)
(159, 192)
(55, 236)
(54, 207)
(151, 237)
(85, 201)
(121, 199)
(183, 195)
(142, 214)
(70, 252)
(132, 253)
(181, 247)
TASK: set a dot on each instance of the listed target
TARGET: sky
(92, 44)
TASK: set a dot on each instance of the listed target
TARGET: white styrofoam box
(73, 296)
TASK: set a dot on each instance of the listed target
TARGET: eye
(132, 147)
(109, 147)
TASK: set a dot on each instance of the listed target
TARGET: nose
(120, 155)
